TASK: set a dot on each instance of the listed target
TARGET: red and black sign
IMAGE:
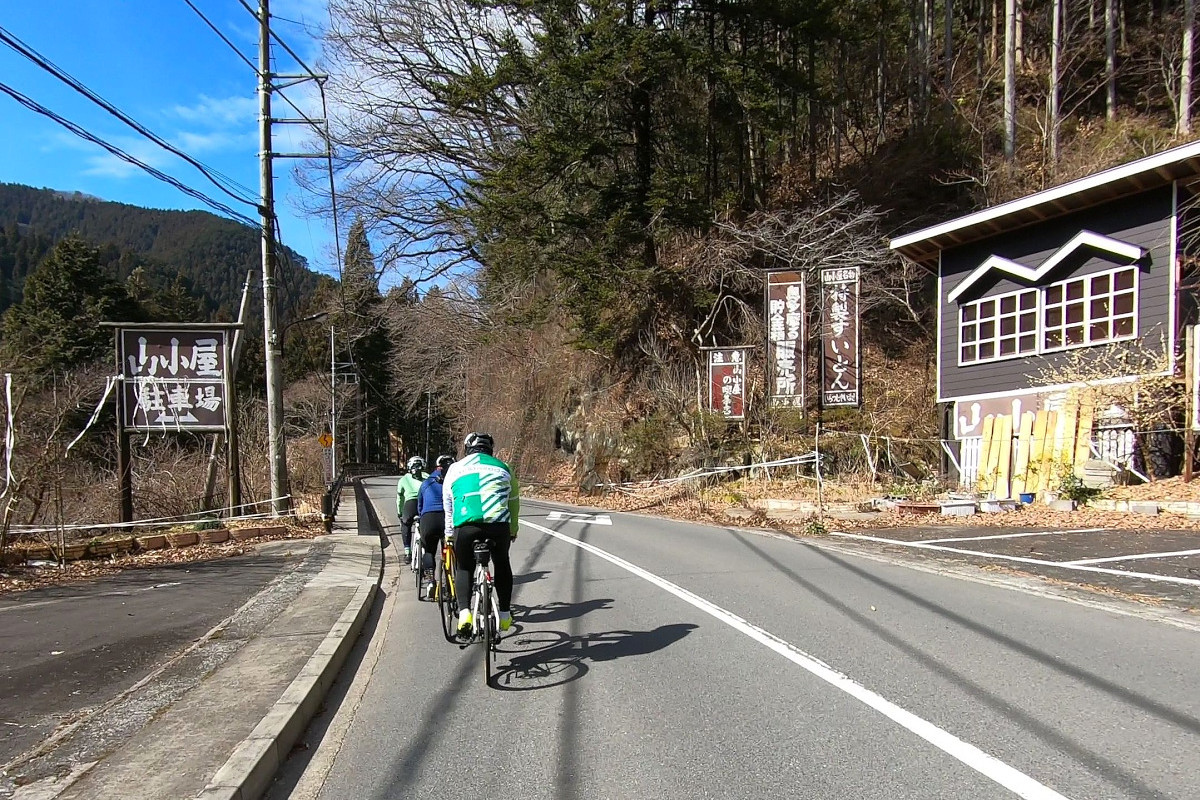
(841, 367)
(727, 382)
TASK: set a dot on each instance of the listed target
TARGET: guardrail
(350, 472)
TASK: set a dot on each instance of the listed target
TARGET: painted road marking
(586, 519)
(19, 606)
(1134, 557)
(1041, 562)
(1010, 536)
(987, 765)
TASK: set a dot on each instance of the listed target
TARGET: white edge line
(1134, 557)
(1010, 536)
(1021, 559)
(987, 765)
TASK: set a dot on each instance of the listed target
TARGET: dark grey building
(1032, 291)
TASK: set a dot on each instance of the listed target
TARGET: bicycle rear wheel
(446, 602)
(418, 557)
(489, 634)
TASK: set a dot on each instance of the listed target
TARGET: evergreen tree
(57, 325)
(362, 340)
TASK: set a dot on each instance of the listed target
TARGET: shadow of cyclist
(567, 657)
(530, 577)
(558, 611)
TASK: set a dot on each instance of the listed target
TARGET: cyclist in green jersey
(481, 501)
(407, 489)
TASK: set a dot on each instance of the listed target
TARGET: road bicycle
(485, 608)
(446, 596)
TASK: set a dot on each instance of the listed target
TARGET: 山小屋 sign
(174, 378)
(785, 338)
(727, 382)
(841, 372)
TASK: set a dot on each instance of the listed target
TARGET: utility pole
(274, 353)
(332, 405)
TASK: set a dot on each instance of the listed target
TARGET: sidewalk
(260, 676)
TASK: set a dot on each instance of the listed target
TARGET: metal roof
(1136, 176)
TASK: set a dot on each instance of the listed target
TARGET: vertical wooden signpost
(841, 362)
(786, 333)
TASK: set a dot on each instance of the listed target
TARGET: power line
(83, 133)
(224, 38)
(45, 64)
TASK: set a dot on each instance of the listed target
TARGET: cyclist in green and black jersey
(482, 501)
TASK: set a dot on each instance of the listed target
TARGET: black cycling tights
(433, 526)
(407, 515)
(497, 533)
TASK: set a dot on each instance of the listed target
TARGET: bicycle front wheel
(446, 602)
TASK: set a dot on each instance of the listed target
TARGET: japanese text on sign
(840, 367)
(174, 378)
(727, 382)
(785, 337)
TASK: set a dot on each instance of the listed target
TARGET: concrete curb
(249, 771)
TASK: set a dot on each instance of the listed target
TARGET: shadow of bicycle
(543, 659)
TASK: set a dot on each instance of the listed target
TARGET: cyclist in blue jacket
(433, 518)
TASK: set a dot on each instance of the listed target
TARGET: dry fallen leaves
(38, 575)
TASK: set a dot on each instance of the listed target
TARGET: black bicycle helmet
(444, 462)
(478, 443)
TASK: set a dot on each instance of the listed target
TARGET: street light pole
(276, 444)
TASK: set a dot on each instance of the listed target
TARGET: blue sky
(157, 61)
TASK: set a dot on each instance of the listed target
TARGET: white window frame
(1087, 299)
(996, 336)
(1040, 346)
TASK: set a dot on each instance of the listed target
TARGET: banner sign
(174, 378)
(727, 381)
(841, 371)
(785, 338)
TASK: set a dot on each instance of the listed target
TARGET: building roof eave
(1160, 169)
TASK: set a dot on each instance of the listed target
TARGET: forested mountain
(614, 176)
(179, 256)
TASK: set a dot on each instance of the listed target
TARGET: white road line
(587, 519)
(987, 765)
(1021, 559)
(19, 606)
(1009, 536)
(1133, 557)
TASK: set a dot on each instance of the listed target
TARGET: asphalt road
(668, 660)
(65, 650)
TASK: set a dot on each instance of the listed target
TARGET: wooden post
(1189, 404)
(124, 457)
(232, 460)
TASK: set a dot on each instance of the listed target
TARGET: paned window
(1090, 310)
(998, 327)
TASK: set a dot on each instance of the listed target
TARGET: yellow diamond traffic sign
(325, 439)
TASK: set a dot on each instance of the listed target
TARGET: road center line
(1133, 557)
(1041, 562)
(987, 765)
(1009, 536)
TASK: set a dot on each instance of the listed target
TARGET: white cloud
(215, 112)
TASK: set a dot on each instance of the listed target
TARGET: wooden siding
(1143, 220)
